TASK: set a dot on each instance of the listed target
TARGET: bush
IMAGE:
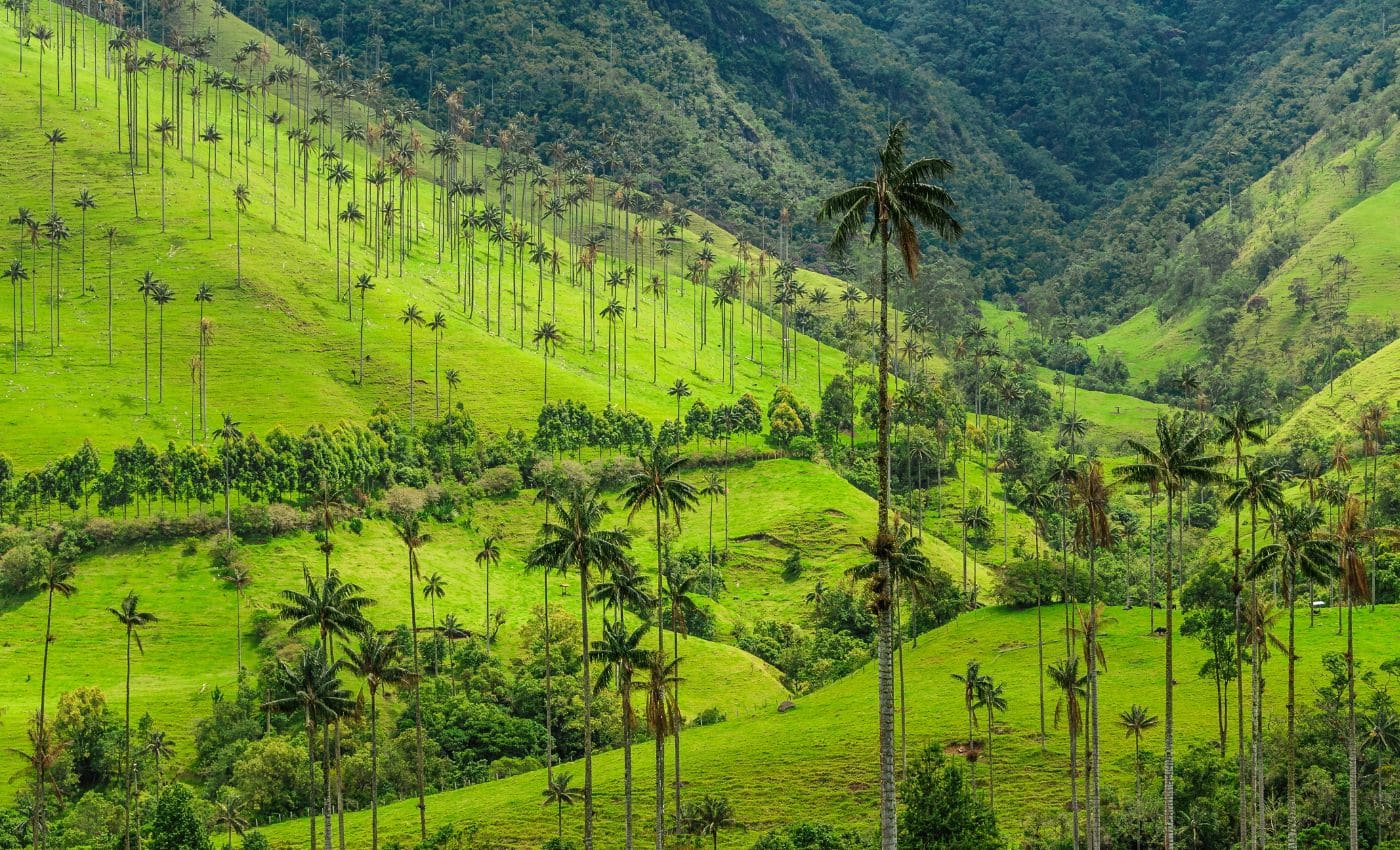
(804, 448)
(500, 481)
(709, 717)
(262, 521)
(612, 472)
(21, 568)
(562, 475)
(356, 525)
(224, 552)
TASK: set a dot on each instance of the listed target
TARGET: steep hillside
(283, 325)
(817, 762)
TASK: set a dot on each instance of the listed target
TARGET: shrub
(21, 568)
(611, 473)
(402, 501)
(356, 525)
(709, 717)
(500, 481)
(561, 474)
(260, 521)
(804, 448)
(224, 552)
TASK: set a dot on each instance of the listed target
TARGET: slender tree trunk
(587, 691)
(885, 645)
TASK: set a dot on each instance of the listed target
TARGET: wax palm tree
(1300, 551)
(363, 285)
(238, 577)
(971, 680)
(168, 132)
(454, 380)
(1064, 676)
(614, 312)
(1181, 458)
(409, 526)
(663, 718)
(376, 662)
(211, 137)
(438, 325)
(576, 540)
(1237, 427)
(16, 275)
(658, 484)
(132, 620)
(147, 286)
(1259, 621)
(1352, 539)
(229, 433)
(974, 523)
(900, 198)
(991, 695)
(161, 296)
(241, 197)
(559, 792)
(158, 746)
(1135, 723)
(310, 684)
(412, 318)
(487, 557)
(84, 202)
(713, 488)
(57, 580)
(1085, 629)
(621, 655)
(228, 816)
(679, 390)
(547, 338)
(53, 138)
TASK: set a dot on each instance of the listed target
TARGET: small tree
(940, 810)
(176, 827)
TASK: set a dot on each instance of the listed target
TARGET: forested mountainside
(1088, 138)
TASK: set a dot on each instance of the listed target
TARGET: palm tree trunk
(126, 745)
(1352, 779)
(587, 712)
(373, 771)
(1292, 754)
(417, 701)
(627, 760)
(885, 641)
(1169, 727)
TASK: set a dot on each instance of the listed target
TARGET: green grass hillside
(775, 507)
(818, 761)
(283, 349)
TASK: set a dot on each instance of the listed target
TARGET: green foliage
(176, 827)
(941, 812)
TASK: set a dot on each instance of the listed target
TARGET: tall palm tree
(679, 390)
(84, 202)
(547, 338)
(1260, 620)
(974, 523)
(412, 318)
(211, 137)
(663, 718)
(1238, 427)
(487, 557)
(238, 577)
(229, 433)
(409, 526)
(16, 275)
(971, 682)
(148, 285)
(167, 131)
(241, 197)
(363, 285)
(132, 620)
(713, 487)
(1135, 723)
(898, 199)
(57, 579)
(576, 540)
(1301, 551)
(658, 483)
(1181, 458)
(613, 312)
(454, 380)
(438, 325)
(375, 661)
(991, 695)
(1064, 676)
(621, 654)
(559, 792)
(311, 685)
(53, 138)
(161, 296)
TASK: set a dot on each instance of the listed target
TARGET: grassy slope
(817, 762)
(1375, 379)
(1315, 194)
(283, 351)
(192, 648)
